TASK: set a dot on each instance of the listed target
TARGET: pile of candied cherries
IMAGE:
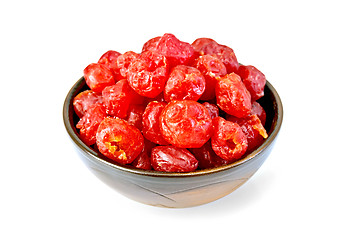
(175, 107)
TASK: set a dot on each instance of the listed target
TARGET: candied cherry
(212, 108)
(228, 142)
(151, 44)
(184, 83)
(90, 122)
(123, 62)
(224, 53)
(172, 159)
(252, 128)
(228, 57)
(109, 59)
(84, 100)
(143, 160)
(150, 122)
(211, 68)
(176, 51)
(203, 45)
(118, 140)
(257, 109)
(185, 124)
(232, 95)
(117, 98)
(134, 115)
(98, 76)
(148, 73)
(254, 80)
(207, 157)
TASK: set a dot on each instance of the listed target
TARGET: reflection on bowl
(176, 190)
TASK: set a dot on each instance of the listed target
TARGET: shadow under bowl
(176, 190)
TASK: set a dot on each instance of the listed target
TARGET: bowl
(176, 190)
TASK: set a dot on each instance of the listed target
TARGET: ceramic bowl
(176, 190)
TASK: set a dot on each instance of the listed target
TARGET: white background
(307, 189)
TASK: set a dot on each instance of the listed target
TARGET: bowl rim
(278, 117)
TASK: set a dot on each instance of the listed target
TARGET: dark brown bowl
(176, 190)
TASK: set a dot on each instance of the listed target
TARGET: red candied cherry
(134, 115)
(224, 53)
(207, 157)
(124, 61)
(118, 140)
(212, 108)
(228, 57)
(254, 80)
(232, 96)
(203, 45)
(84, 100)
(185, 124)
(184, 83)
(98, 76)
(257, 109)
(109, 59)
(176, 51)
(172, 159)
(150, 122)
(228, 142)
(151, 44)
(90, 122)
(143, 160)
(211, 68)
(148, 73)
(252, 128)
(117, 98)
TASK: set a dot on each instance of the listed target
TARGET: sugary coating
(84, 100)
(184, 83)
(124, 61)
(98, 76)
(150, 122)
(118, 140)
(253, 130)
(207, 157)
(254, 81)
(117, 98)
(90, 122)
(228, 142)
(109, 59)
(176, 51)
(211, 68)
(148, 73)
(232, 96)
(172, 159)
(185, 124)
